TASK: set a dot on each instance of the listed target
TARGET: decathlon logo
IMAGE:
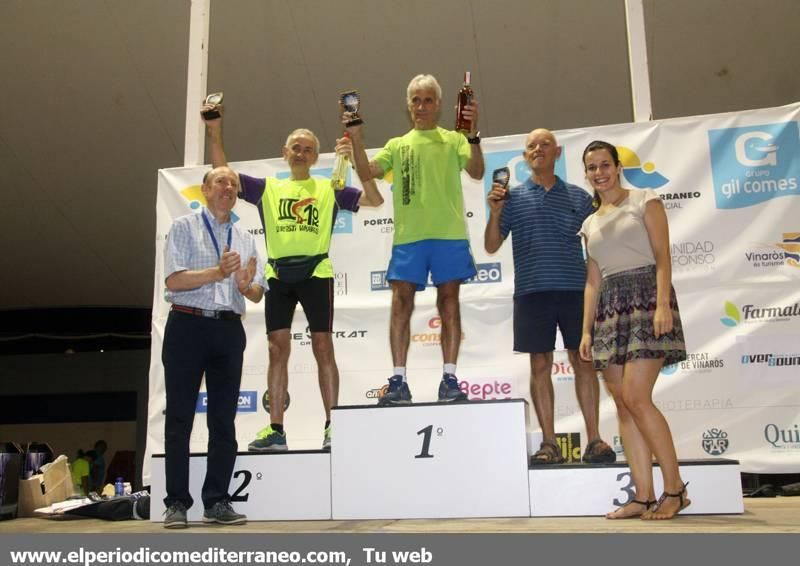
(754, 164)
(247, 402)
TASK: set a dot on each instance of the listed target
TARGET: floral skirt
(623, 326)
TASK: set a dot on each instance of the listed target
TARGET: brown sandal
(548, 453)
(646, 504)
(684, 503)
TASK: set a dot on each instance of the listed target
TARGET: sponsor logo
(751, 313)
(695, 404)
(247, 402)
(669, 369)
(196, 199)
(486, 390)
(782, 438)
(563, 372)
(570, 445)
(340, 283)
(697, 362)
(432, 335)
(373, 394)
(772, 360)
(343, 223)
(715, 442)
(304, 338)
(377, 281)
(647, 176)
(486, 273)
(265, 401)
(616, 442)
(693, 256)
(640, 175)
(778, 254)
(384, 224)
(754, 164)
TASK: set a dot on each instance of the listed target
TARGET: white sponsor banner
(730, 184)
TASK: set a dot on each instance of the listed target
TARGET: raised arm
(214, 135)
(475, 167)
(492, 235)
(353, 143)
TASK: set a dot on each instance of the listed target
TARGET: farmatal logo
(715, 442)
(751, 313)
(754, 164)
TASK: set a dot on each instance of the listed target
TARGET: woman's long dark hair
(594, 146)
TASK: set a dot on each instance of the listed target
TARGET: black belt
(218, 315)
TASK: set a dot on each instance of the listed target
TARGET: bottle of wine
(464, 98)
(340, 169)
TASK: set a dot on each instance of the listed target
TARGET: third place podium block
(430, 460)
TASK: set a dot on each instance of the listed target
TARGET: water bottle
(119, 487)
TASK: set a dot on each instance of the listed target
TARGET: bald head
(541, 152)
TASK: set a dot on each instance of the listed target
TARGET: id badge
(222, 292)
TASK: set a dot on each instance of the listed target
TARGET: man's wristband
(474, 140)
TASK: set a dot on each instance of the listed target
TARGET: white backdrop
(730, 184)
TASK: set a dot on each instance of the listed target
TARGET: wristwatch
(475, 140)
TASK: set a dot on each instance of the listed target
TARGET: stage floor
(778, 515)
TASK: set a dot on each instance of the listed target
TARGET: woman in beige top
(631, 325)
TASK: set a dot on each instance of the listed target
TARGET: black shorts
(536, 316)
(315, 295)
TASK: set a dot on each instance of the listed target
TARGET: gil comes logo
(754, 164)
(640, 175)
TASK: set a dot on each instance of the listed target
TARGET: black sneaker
(175, 516)
(397, 393)
(449, 389)
(222, 512)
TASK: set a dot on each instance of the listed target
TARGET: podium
(593, 490)
(430, 460)
(282, 486)
(437, 460)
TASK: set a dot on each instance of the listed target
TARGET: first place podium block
(430, 460)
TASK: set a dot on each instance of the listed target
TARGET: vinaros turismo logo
(754, 164)
(753, 313)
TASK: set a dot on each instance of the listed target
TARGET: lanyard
(211, 233)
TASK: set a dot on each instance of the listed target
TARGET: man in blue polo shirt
(545, 214)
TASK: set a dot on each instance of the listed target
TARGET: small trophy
(214, 98)
(350, 103)
(502, 176)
